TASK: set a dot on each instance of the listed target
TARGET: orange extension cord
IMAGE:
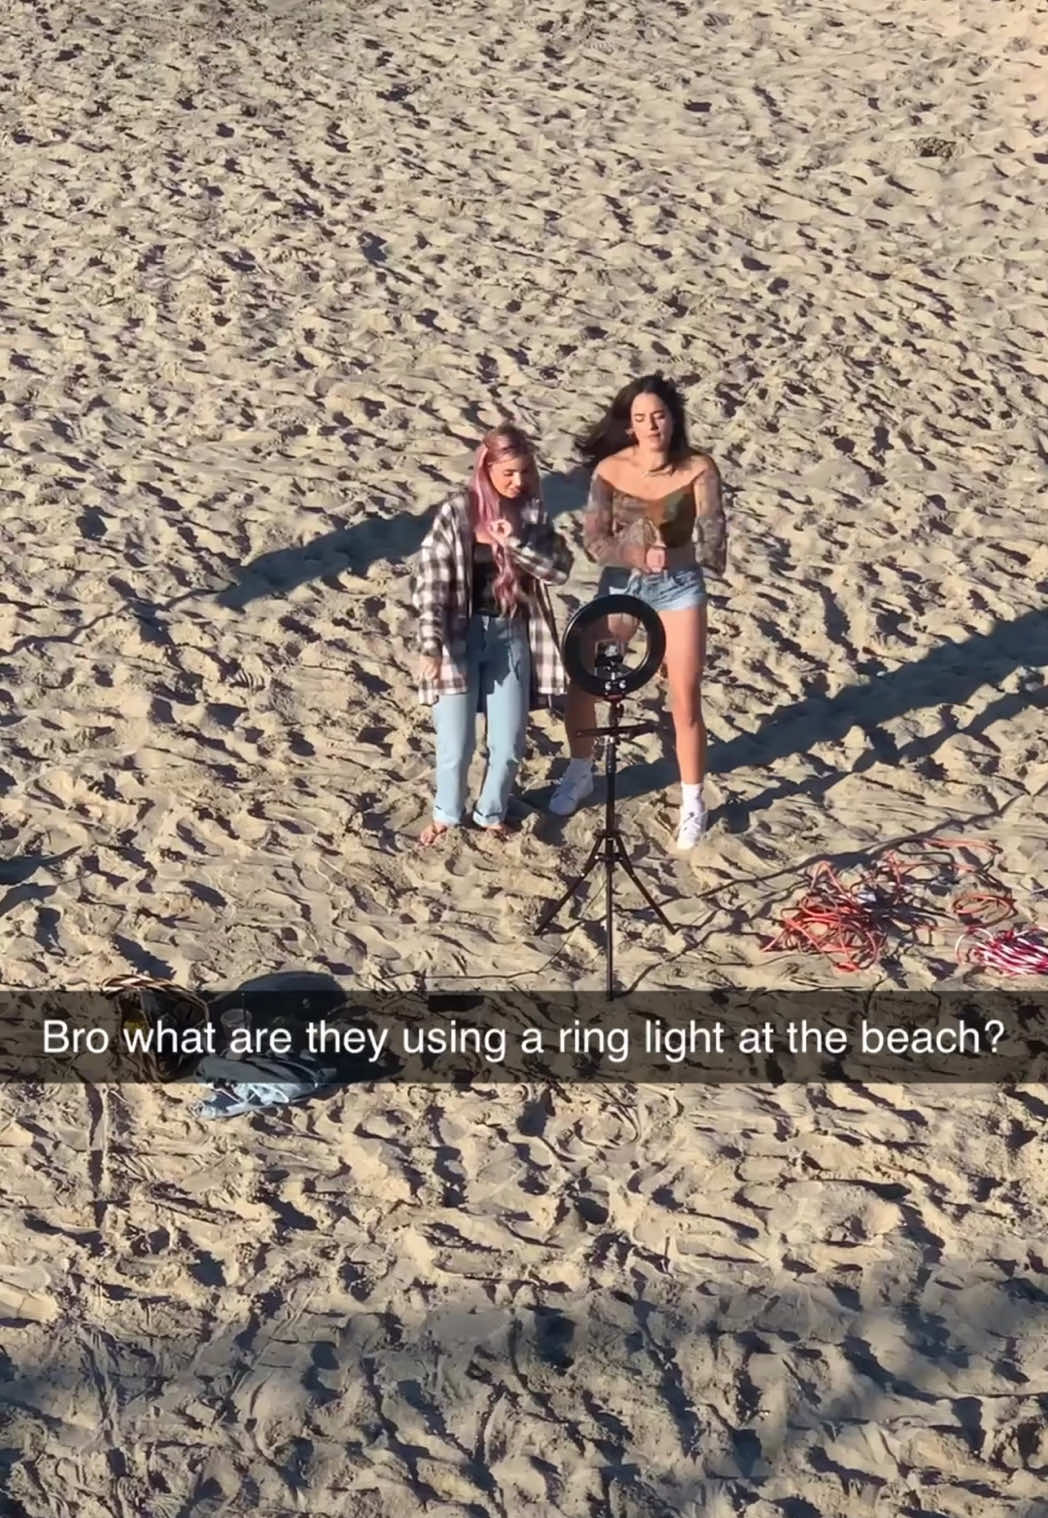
(849, 924)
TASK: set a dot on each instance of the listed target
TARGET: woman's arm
(540, 551)
(711, 528)
(432, 583)
(622, 550)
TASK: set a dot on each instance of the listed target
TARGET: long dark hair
(612, 433)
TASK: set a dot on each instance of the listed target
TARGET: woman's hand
(429, 667)
(655, 560)
(501, 530)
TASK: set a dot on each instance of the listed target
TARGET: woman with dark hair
(486, 635)
(654, 520)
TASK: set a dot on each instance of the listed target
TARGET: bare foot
(494, 829)
(431, 832)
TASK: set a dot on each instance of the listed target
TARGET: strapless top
(619, 528)
(670, 518)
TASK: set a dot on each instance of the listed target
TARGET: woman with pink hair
(486, 635)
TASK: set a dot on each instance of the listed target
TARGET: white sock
(579, 767)
(690, 799)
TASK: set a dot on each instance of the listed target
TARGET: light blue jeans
(498, 681)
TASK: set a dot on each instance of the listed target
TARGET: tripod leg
(609, 913)
(624, 860)
(611, 843)
(551, 912)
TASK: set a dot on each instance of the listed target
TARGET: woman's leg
(580, 707)
(506, 685)
(580, 711)
(454, 719)
(576, 783)
(455, 723)
(685, 658)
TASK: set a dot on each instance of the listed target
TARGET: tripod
(608, 844)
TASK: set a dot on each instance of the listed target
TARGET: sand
(268, 271)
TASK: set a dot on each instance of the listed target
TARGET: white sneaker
(572, 789)
(692, 828)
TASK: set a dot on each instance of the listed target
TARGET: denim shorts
(671, 590)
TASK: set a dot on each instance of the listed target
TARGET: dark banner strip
(714, 1036)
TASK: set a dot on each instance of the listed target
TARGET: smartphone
(610, 652)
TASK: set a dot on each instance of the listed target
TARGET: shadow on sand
(359, 545)
(354, 548)
(947, 677)
(715, 1398)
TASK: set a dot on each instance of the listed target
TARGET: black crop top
(484, 572)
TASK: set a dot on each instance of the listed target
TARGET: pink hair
(486, 505)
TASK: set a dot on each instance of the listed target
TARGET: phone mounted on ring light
(610, 677)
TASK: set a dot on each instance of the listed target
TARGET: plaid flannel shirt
(443, 597)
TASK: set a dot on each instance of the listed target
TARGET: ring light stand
(610, 683)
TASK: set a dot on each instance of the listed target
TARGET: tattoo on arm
(711, 528)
